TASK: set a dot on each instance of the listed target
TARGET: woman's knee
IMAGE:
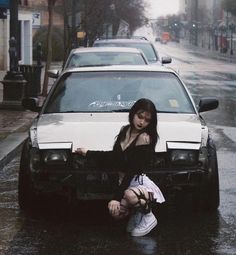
(130, 196)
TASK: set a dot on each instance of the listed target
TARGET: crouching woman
(131, 154)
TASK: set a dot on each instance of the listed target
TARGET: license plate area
(98, 183)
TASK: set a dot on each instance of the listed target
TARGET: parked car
(87, 107)
(140, 43)
(101, 56)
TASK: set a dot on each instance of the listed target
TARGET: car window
(111, 91)
(146, 48)
(105, 58)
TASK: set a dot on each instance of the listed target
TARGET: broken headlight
(55, 157)
(184, 157)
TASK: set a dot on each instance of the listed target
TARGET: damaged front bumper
(88, 183)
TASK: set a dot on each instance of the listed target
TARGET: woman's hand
(81, 151)
(114, 208)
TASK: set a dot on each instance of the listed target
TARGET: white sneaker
(134, 220)
(147, 223)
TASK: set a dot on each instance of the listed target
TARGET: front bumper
(92, 184)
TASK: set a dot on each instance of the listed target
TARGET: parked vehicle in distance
(165, 37)
(91, 56)
(140, 43)
(86, 103)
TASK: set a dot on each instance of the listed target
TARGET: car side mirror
(166, 60)
(31, 104)
(207, 104)
(54, 73)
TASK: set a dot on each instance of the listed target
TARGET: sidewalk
(14, 126)
(198, 50)
(13, 129)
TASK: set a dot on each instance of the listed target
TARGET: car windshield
(146, 48)
(117, 91)
(105, 58)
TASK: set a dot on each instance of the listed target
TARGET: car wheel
(26, 192)
(208, 198)
(212, 198)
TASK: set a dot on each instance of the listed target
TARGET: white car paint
(97, 131)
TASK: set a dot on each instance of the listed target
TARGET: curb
(10, 146)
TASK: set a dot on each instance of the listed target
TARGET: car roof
(138, 68)
(106, 49)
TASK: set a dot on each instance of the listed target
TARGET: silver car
(141, 43)
(102, 56)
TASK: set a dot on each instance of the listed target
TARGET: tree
(132, 11)
(51, 4)
(96, 13)
(229, 6)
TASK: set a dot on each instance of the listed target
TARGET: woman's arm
(104, 160)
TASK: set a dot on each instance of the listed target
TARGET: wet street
(79, 229)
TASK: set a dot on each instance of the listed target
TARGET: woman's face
(141, 120)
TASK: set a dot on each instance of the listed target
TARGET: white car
(102, 56)
(87, 107)
(140, 43)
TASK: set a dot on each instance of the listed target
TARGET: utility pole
(73, 24)
(196, 19)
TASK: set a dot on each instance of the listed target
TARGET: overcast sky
(162, 7)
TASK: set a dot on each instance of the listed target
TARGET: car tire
(26, 192)
(212, 198)
(208, 199)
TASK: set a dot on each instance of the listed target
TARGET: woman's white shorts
(145, 182)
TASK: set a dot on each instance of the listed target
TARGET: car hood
(97, 131)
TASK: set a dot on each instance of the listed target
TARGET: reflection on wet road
(56, 228)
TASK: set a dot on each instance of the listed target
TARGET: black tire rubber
(206, 197)
(26, 193)
(212, 194)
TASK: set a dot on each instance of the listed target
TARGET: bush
(57, 43)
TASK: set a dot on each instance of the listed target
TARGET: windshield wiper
(121, 110)
(168, 111)
(94, 65)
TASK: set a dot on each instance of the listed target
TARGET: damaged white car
(87, 107)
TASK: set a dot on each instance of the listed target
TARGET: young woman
(132, 152)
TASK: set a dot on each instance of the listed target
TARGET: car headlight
(184, 157)
(55, 157)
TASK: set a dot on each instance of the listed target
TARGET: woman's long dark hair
(146, 105)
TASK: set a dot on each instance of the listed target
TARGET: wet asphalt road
(56, 228)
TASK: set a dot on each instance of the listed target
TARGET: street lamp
(195, 33)
(232, 29)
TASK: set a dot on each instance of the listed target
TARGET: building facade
(207, 25)
(32, 15)
(25, 38)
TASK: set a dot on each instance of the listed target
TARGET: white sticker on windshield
(112, 104)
